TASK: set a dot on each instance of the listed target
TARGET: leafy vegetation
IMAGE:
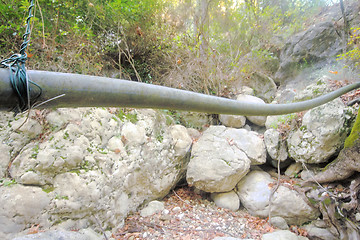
(198, 45)
(7, 182)
(124, 115)
(352, 56)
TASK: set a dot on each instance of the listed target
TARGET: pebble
(176, 209)
(279, 222)
(357, 216)
(180, 216)
(153, 207)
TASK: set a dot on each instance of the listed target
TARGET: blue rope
(19, 79)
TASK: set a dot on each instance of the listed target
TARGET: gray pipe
(93, 91)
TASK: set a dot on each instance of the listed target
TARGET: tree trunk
(201, 25)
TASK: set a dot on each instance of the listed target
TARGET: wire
(26, 90)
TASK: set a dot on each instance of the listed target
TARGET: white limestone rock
(216, 165)
(235, 121)
(315, 232)
(229, 238)
(4, 158)
(282, 235)
(321, 134)
(98, 162)
(229, 200)
(30, 178)
(83, 234)
(193, 133)
(27, 126)
(275, 145)
(22, 206)
(249, 142)
(151, 208)
(293, 169)
(133, 134)
(115, 144)
(254, 191)
(279, 222)
(258, 120)
(357, 216)
(61, 116)
(181, 138)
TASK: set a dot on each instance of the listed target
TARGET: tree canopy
(199, 45)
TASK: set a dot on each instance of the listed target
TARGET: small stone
(228, 238)
(258, 120)
(193, 133)
(30, 178)
(115, 144)
(275, 145)
(228, 200)
(279, 222)
(234, 121)
(315, 232)
(357, 216)
(176, 209)
(152, 207)
(180, 216)
(282, 235)
(293, 169)
(57, 235)
(165, 218)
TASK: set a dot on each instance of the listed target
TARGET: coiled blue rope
(19, 80)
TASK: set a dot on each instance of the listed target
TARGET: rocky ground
(188, 215)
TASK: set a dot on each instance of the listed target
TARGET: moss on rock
(353, 138)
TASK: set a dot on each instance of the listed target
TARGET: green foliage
(284, 120)
(354, 136)
(352, 56)
(48, 189)
(35, 151)
(123, 115)
(7, 183)
(59, 197)
(159, 136)
(327, 201)
(156, 41)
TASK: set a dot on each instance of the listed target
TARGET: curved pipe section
(94, 91)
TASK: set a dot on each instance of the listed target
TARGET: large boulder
(83, 234)
(263, 85)
(217, 163)
(238, 121)
(94, 162)
(321, 134)
(254, 191)
(22, 206)
(282, 235)
(258, 120)
(13, 141)
(318, 44)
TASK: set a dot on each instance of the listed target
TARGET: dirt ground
(188, 216)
